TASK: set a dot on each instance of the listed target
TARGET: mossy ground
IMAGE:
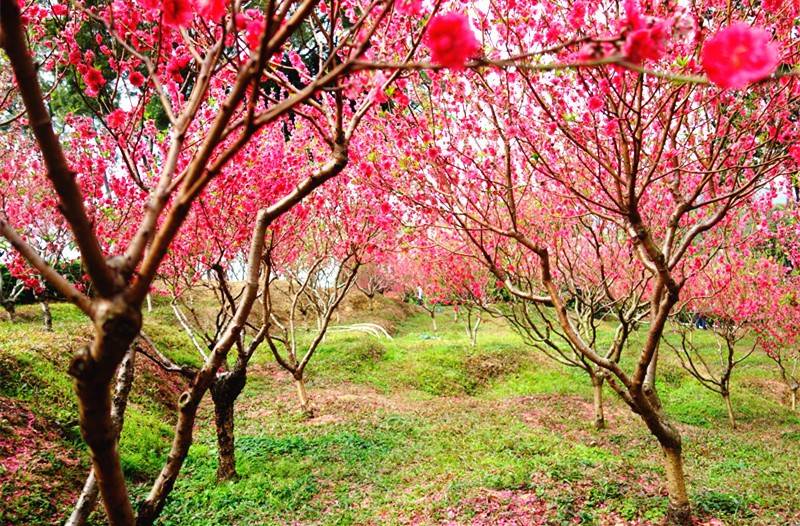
(419, 429)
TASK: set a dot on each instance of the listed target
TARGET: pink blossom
(739, 55)
(646, 43)
(177, 13)
(254, 30)
(60, 9)
(409, 7)
(450, 40)
(213, 10)
(635, 20)
(577, 14)
(595, 103)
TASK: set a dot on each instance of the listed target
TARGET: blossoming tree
(208, 78)
(664, 166)
(733, 299)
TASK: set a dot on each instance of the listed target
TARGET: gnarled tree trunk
(224, 392)
(88, 497)
(679, 512)
(116, 326)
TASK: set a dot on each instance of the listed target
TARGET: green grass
(422, 428)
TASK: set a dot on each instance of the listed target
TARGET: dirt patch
(491, 507)
(771, 388)
(484, 367)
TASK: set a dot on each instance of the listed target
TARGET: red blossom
(595, 103)
(794, 152)
(409, 7)
(136, 79)
(116, 119)
(94, 81)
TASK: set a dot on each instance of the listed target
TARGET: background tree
(731, 299)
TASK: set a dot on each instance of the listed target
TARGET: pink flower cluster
(451, 40)
(179, 13)
(739, 55)
(645, 40)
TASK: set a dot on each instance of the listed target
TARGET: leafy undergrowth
(421, 429)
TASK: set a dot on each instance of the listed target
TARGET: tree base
(227, 475)
(678, 516)
(599, 424)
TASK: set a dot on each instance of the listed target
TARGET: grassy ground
(419, 429)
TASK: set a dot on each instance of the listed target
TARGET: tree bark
(116, 326)
(86, 503)
(47, 316)
(88, 497)
(679, 511)
(433, 320)
(302, 395)
(597, 391)
(793, 399)
(729, 406)
(224, 392)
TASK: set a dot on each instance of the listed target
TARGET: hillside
(419, 429)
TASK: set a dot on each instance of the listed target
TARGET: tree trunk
(116, 326)
(47, 317)
(149, 304)
(793, 399)
(731, 418)
(433, 320)
(86, 502)
(226, 458)
(302, 395)
(224, 392)
(88, 497)
(679, 512)
(650, 382)
(597, 391)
